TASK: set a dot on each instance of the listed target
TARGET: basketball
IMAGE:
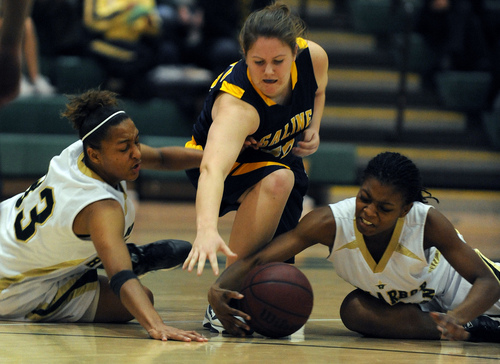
(278, 297)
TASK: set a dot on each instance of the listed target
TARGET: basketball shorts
(67, 299)
(245, 175)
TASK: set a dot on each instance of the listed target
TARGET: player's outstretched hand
(206, 247)
(449, 328)
(166, 333)
(219, 300)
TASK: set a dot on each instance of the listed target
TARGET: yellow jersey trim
(231, 89)
(242, 168)
(192, 144)
(392, 247)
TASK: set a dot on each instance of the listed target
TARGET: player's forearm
(138, 304)
(232, 277)
(208, 199)
(319, 107)
(179, 158)
(482, 295)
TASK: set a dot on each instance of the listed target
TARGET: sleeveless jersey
(280, 125)
(37, 242)
(405, 273)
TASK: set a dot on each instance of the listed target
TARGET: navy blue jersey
(280, 125)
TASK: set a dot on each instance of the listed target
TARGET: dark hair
(88, 110)
(397, 170)
(274, 21)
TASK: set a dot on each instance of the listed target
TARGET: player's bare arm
(485, 290)
(224, 144)
(170, 158)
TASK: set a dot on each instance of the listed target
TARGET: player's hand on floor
(166, 333)
(219, 300)
(449, 328)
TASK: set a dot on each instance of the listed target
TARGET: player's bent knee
(279, 182)
(352, 311)
(348, 312)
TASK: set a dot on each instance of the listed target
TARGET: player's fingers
(227, 252)
(188, 259)
(233, 329)
(193, 335)
(214, 263)
(243, 315)
(227, 295)
(201, 263)
(195, 258)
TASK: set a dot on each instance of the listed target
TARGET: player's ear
(93, 155)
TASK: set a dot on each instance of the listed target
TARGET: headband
(102, 123)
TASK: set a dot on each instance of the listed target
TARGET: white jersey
(42, 261)
(406, 272)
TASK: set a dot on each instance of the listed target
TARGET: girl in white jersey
(408, 263)
(78, 216)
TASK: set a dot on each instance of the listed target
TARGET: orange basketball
(278, 297)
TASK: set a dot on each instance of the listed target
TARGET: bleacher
(375, 102)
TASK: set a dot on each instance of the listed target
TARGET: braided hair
(88, 110)
(397, 170)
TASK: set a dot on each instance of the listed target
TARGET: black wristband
(116, 282)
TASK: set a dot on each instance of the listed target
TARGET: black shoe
(161, 254)
(483, 329)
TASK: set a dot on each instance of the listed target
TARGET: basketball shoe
(212, 323)
(483, 329)
(159, 255)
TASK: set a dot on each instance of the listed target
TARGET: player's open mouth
(366, 222)
(270, 81)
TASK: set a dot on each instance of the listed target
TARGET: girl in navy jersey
(261, 116)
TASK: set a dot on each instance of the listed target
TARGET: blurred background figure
(125, 36)
(454, 30)
(32, 82)
(207, 32)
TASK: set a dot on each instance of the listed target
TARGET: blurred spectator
(11, 36)
(491, 17)
(454, 31)
(60, 29)
(127, 40)
(32, 81)
(465, 36)
(205, 31)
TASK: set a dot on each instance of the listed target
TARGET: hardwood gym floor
(181, 300)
